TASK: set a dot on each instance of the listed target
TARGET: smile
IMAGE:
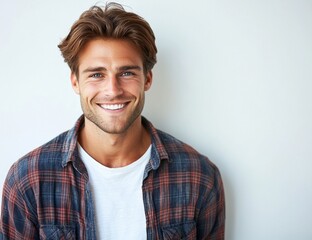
(113, 106)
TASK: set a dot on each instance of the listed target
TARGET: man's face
(111, 84)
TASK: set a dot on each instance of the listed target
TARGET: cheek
(88, 92)
(138, 93)
(135, 88)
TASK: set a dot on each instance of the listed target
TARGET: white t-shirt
(118, 199)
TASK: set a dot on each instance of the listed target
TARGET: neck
(115, 150)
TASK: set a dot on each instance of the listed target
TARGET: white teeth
(113, 106)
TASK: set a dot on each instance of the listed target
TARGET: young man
(112, 176)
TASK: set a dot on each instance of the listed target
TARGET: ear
(74, 82)
(148, 80)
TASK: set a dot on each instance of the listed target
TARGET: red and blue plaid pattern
(47, 194)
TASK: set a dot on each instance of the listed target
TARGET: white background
(233, 79)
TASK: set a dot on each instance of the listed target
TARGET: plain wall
(233, 79)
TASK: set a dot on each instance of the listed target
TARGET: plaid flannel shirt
(47, 195)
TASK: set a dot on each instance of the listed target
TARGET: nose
(112, 87)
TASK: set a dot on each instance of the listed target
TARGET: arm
(211, 221)
(17, 219)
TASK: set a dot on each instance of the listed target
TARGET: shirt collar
(158, 152)
(70, 149)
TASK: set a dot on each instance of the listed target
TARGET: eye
(127, 74)
(96, 75)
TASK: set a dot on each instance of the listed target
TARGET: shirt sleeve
(211, 222)
(17, 220)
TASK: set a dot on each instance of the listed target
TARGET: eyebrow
(122, 68)
(94, 69)
(133, 67)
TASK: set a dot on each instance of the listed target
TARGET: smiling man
(111, 82)
(113, 175)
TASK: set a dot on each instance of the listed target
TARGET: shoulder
(186, 167)
(42, 159)
(175, 156)
(46, 153)
(182, 156)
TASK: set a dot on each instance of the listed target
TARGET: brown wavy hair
(113, 22)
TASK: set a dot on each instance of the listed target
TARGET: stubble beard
(120, 125)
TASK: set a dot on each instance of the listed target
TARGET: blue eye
(126, 74)
(96, 75)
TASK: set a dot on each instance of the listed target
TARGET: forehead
(109, 53)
